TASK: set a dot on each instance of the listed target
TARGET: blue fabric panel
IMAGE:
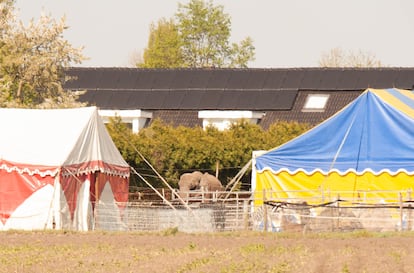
(368, 134)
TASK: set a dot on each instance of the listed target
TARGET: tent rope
(199, 222)
(236, 179)
(339, 150)
(154, 189)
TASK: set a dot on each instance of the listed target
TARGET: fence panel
(224, 211)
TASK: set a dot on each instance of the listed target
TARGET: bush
(173, 151)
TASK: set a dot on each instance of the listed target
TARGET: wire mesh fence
(209, 213)
(224, 211)
(335, 211)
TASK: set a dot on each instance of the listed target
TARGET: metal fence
(339, 211)
(224, 211)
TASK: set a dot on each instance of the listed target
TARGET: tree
(164, 46)
(6, 16)
(135, 58)
(199, 37)
(337, 57)
(241, 54)
(32, 62)
(283, 131)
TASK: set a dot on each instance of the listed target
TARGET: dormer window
(315, 103)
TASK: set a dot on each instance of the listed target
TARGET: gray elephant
(209, 182)
(198, 181)
(190, 181)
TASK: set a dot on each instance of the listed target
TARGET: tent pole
(96, 199)
(52, 202)
(79, 181)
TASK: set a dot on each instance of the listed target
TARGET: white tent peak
(44, 140)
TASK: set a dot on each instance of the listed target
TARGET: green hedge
(176, 150)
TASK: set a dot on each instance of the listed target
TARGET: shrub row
(172, 150)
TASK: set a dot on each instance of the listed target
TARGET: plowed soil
(172, 251)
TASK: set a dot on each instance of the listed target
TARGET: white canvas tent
(58, 168)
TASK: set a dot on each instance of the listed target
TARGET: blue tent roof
(373, 133)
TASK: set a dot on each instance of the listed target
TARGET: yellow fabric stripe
(300, 186)
(395, 102)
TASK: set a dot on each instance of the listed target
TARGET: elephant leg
(184, 193)
(210, 184)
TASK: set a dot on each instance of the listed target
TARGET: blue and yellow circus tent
(366, 148)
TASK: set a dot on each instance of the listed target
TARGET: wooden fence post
(401, 212)
(409, 210)
(237, 209)
(246, 214)
(338, 212)
(264, 211)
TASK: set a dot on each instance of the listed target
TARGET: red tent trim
(29, 169)
(95, 166)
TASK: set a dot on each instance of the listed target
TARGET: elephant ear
(210, 182)
(197, 174)
(189, 181)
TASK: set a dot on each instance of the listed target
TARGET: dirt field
(172, 251)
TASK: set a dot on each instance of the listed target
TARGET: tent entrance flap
(36, 186)
(23, 197)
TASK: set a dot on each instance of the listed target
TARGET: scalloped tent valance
(55, 163)
(371, 137)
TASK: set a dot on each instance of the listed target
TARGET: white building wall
(222, 120)
(137, 118)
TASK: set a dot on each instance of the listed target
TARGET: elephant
(209, 182)
(199, 181)
(189, 181)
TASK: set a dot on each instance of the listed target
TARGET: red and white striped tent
(59, 168)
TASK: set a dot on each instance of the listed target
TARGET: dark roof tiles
(176, 95)
(240, 79)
